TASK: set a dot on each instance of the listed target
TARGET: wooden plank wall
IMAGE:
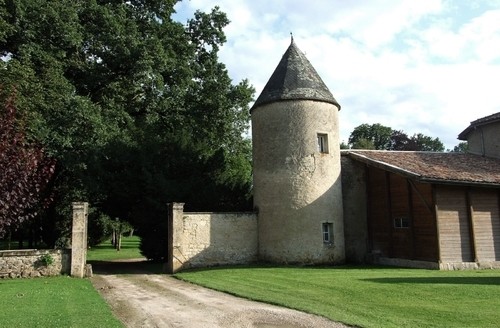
(401, 243)
(469, 223)
(378, 222)
(424, 222)
(485, 212)
(447, 223)
(391, 196)
(454, 224)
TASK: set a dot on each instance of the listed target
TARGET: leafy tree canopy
(462, 147)
(375, 136)
(380, 137)
(25, 170)
(135, 107)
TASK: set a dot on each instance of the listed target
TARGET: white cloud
(418, 66)
(483, 34)
(474, 40)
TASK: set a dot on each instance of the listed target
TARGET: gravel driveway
(142, 299)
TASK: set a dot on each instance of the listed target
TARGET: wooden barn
(422, 209)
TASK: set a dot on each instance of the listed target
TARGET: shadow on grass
(475, 279)
(126, 267)
(439, 280)
(267, 265)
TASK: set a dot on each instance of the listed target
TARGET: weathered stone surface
(88, 271)
(209, 239)
(469, 265)
(482, 136)
(355, 209)
(79, 239)
(28, 264)
(297, 188)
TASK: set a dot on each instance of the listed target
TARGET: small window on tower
(322, 143)
(327, 232)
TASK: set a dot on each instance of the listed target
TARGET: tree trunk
(119, 243)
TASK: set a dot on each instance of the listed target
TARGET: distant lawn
(366, 296)
(106, 251)
(53, 302)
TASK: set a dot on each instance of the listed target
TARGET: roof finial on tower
(291, 37)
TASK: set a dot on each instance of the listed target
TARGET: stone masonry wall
(355, 203)
(297, 187)
(28, 263)
(209, 239)
(485, 140)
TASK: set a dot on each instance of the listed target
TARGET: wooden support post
(470, 220)
(411, 217)
(436, 219)
(389, 212)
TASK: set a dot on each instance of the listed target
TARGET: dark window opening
(322, 143)
(401, 222)
(327, 232)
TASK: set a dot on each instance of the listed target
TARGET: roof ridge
(480, 121)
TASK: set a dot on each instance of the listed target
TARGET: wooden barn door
(454, 226)
(486, 224)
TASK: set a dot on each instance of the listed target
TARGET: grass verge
(106, 251)
(53, 302)
(368, 296)
(106, 259)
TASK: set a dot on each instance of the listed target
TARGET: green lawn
(368, 296)
(106, 251)
(360, 296)
(62, 301)
(53, 302)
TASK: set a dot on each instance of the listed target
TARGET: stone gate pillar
(174, 259)
(79, 239)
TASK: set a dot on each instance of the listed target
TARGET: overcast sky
(428, 66)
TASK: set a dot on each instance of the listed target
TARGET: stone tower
(296, 166)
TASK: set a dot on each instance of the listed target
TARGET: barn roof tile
(433, 167)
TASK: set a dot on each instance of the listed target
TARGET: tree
(426, 143)
(400, 141)
(462, 147)
(366, 135)
(363, 144)
(377, 136)
(136, 108)
(25, 170)
(344, 145)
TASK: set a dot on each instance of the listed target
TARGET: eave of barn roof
(434, 167)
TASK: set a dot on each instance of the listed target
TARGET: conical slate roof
(295, 79)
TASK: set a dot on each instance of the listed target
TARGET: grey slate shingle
(295, 79)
